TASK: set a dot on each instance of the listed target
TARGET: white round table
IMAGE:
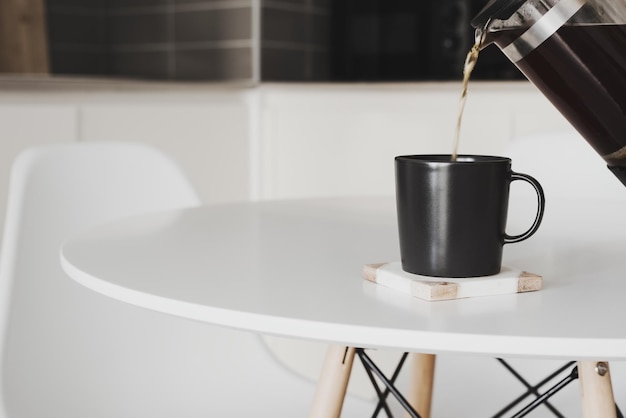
(294, 268)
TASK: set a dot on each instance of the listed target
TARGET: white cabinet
(207, 135)
(277, 140)
(206, 131)
(329, 140)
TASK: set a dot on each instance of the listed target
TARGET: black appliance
(405, 40)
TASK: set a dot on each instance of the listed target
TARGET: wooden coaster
(442, 288)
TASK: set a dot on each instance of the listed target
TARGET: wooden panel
(23, 39)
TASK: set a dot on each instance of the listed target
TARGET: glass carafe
(574, 51)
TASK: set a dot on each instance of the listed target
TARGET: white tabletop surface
(293, 268)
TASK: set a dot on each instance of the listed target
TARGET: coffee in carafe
(574, 52)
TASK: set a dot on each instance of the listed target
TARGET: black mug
(452, 214)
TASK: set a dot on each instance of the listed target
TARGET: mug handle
(541, 202)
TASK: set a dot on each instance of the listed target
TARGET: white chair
(68, 352)
(566, 165)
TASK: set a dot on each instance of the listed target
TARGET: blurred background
(273, 99)
(245, 40)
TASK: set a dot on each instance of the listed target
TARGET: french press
(574, 52)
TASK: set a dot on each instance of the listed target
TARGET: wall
(191, 39)
(295, 40)
(77, 36)
(268, 40)
(153, 39)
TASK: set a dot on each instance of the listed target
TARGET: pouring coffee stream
(468, 67)
(574, 52)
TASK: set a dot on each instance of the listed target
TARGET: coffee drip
(574, 52)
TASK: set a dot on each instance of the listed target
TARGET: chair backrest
(67, 351)
(565, 165)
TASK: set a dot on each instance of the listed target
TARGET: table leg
(596, 390)
(333, 382)
(421, 383)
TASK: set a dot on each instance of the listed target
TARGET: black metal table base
(372, 369)
(374, 372)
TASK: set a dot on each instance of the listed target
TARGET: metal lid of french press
(496, 9)
(535, 34)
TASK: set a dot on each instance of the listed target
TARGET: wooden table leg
(421, 384)
(596, 390)
(333, 382)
